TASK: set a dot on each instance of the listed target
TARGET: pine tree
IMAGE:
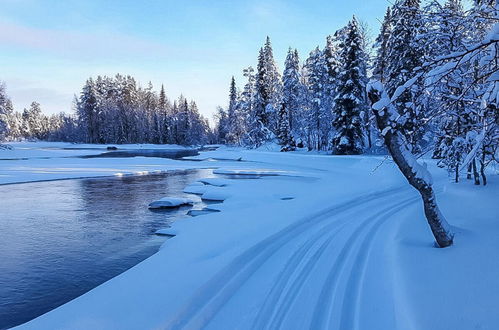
(350, 95)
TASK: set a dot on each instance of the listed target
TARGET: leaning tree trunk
(414, 173)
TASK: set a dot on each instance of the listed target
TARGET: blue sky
(49, 48)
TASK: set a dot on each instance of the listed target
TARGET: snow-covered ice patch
(195, 213)
(215, 195)
(217, 182)
(169, 202)
(196, 188)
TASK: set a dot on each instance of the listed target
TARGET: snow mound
(215, 195)
(196, 188)
(169, 202)
(217, 182)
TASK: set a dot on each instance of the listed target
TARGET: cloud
(78, 44)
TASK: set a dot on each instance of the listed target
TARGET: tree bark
(402, 157)
(475, 173)
(482, 171)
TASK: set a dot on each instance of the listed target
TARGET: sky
(49, 48)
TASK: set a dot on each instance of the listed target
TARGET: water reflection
(60, 239)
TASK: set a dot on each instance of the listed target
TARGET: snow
(351, 250)
(258, 172)
(169, 202)
(215, 194)
(218, 182)
(196, 188)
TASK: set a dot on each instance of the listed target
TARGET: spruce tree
(87, 111)
(405, 55)
(284, 132)
(232, 136)
(381, 43)
(262, 127)
(350, 95)
(319, 110)
(268, 91)
(331, 55)
(292, 93)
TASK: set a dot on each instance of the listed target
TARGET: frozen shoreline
(347, 228)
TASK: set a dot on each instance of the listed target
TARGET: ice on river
(169, 202)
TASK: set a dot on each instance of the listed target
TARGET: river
(60, 239)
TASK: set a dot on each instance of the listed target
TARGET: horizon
(47, 58)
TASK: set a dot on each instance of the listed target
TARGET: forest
(441, 82)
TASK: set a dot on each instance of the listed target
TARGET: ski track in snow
(208, 300)
(349, 307)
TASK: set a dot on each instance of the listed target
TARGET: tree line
(110, 110)
(322, 102)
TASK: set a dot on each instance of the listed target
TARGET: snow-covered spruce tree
(233, 136)
(319, 109)
(380, 62)
(283, 131)
(292, 94)
(183, 121)
(405, 54)
(221, 125)
(165, 120)
(246, 105)
(87, 111)
(331, 56)
(350, 98)
(267, 100)
(198, 126)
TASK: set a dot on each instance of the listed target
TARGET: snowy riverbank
(326, 242)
